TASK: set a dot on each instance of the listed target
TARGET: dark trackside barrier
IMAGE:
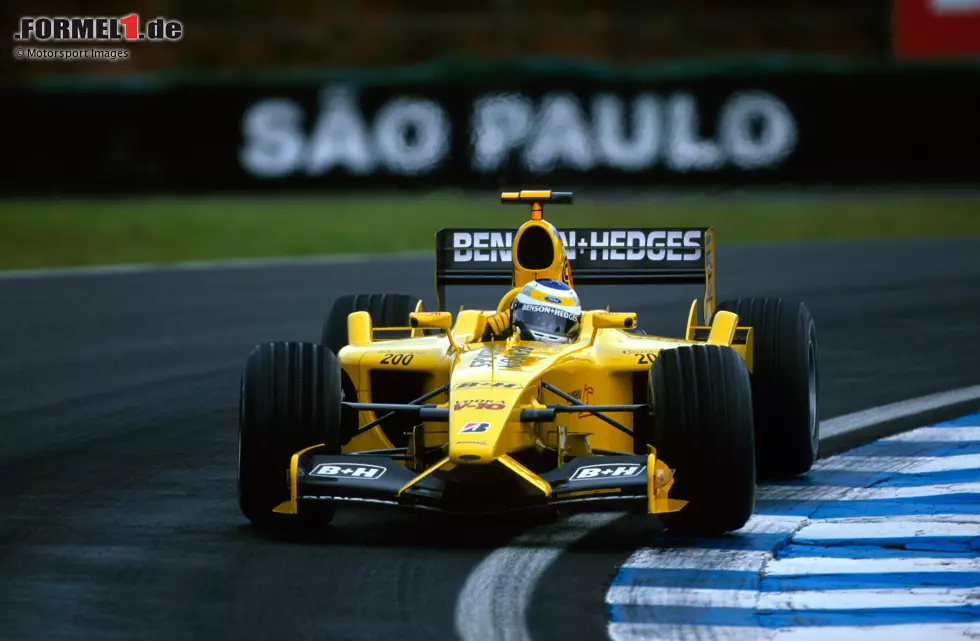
(798, 126)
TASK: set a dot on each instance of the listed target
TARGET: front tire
(702, 427)
(290, 400)
(785, 384)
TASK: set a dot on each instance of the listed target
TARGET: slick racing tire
(387, 310)
(290, 400)
(785, 384)
(701, 427)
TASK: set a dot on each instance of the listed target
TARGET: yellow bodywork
(493, 381)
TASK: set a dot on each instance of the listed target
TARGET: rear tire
(702, 428)
(290, 400)
(387, 310)
(785, 384)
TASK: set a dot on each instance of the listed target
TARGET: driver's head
(548, 311)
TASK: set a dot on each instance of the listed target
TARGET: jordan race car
(402, 407)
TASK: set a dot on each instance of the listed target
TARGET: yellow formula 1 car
(404, 407)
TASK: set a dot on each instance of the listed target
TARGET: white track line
(765, 523)
(493, 602)
(932, 435)
(905, 464)
(687, 597)
(893, 411)
(912, 632)
(843, 493)
(908, 518)
(705, 557)
(802, 600)
(890, 528)
(492, 606)
(207, 265)
(830, 565)
(699, 559)
(868, 599)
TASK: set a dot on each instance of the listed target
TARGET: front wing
(593, 483)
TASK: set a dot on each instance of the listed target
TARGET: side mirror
(431, 320)
(435, 320)
(359, 330)
(610, 320)
(723, 328)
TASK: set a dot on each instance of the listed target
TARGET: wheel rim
(811, 375)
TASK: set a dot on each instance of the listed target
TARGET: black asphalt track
(118, 401)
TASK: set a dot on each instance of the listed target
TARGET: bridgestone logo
(605, 471)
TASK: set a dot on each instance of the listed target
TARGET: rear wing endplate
(611, 256)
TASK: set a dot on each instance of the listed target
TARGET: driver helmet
(547, 311)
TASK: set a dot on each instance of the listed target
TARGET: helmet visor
(539, 322)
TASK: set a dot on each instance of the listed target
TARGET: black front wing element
(595, 483)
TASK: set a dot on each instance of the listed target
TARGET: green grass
(65, 232)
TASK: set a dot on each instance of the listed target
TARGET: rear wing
(610, 256)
